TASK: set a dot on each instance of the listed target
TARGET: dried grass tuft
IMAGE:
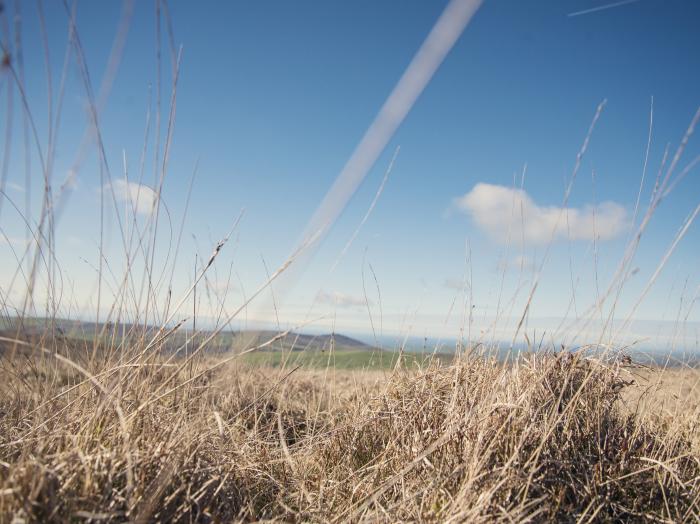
(548, 438)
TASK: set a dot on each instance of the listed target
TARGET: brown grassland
(556, 436)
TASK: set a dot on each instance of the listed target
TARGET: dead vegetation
(557, 436)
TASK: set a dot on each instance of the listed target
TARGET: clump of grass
(546, 438)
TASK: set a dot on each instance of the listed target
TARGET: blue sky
(272, 99)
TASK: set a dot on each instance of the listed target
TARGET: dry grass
(550, 438)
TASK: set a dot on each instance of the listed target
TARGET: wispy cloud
(139, 196)
(457, 284)
(15, 187)
(341, 300)
(14, 241)
(517, 263)
(220, 286)
(511, 215)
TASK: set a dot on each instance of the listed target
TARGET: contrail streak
(442, 37)
(602, 8)
(439, 42)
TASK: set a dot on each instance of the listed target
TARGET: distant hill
(297, 341)
(223, 342)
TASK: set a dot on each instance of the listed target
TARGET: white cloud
(517, 263)
(15, 187)
(508, 214)
(16, 242)
(457, 284)
(71, 180)
(221, 286)
(139, 196)
(523, 261)
(341, 300)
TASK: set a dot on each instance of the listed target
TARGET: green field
(339, 359)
